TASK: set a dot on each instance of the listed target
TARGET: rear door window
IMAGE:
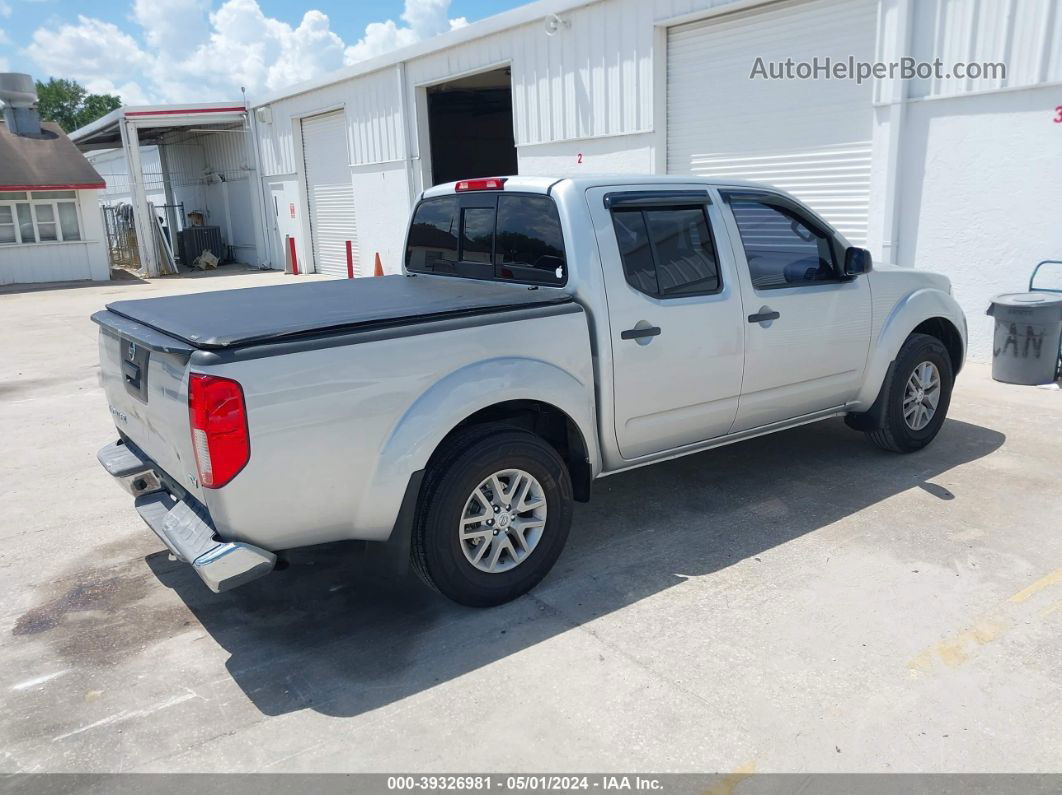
(506, 237)
(667, 252)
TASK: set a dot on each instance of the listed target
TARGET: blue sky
(185, 50)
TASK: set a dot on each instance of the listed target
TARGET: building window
(7, 225)
(38, 217)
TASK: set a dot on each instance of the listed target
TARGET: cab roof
(546, 184)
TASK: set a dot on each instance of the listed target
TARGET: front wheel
(494, 516)
(917, 396)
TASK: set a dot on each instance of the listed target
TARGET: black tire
(455, 471)
(893, 433)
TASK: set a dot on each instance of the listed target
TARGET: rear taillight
(218, 416)
(488, 183)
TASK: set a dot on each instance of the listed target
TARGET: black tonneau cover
(232, 318)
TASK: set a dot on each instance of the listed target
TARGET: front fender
(454, 398)
(912, 310)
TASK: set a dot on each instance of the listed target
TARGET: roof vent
(19, 95)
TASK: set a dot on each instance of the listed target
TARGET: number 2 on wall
(579, 156)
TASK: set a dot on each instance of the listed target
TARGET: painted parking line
(957, 649)
(1054, 578)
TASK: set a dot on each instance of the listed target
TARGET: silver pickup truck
(544, 333)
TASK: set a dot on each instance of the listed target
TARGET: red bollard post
(294, 259)
(350, 261)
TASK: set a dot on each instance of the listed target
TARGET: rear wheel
(917, 395)
(494, 516)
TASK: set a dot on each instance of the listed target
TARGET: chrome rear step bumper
(182, 526)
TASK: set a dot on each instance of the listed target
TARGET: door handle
(763, 317)
(639, 333)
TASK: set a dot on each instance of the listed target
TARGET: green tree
(70, 105)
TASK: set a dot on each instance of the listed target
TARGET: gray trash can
(1028, 332)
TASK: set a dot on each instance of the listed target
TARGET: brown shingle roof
(51, 161)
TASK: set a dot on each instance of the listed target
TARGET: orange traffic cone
(378, 268)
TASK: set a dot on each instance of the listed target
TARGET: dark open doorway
(470, 127)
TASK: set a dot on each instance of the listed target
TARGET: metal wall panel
(373, 116)
(223, 152)
(330, 192)
(812, 139)
(595, 77)
(591, 79)
(1024, 34)
(574, 85)
(210, 173)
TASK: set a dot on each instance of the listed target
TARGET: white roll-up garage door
(330, 192)
(809, 137)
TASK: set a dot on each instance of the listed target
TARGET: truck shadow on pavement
(334, 634)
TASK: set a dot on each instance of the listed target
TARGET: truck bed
(233, 318)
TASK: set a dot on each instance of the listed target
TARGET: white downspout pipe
(408, 117)
(897, 99)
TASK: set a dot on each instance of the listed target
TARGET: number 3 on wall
(1058, 120)
(579, 156)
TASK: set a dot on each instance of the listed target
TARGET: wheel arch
(545, 420)
(492, 388)
(944, 330)
(927, 311)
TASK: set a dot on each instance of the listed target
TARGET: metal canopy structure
(131, 127)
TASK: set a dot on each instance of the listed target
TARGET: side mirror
(857, 261)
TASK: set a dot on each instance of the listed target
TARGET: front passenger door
(807, 326)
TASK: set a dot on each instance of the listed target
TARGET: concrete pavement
(799, 602)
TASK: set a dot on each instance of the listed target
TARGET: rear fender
(448, 402)
(908, 313)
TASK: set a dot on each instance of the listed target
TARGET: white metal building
(956, 175)
(196, 157)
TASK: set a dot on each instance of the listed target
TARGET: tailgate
(145, 376)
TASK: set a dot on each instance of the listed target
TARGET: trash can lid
(1047, 305)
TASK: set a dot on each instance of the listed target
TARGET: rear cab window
(498, 236)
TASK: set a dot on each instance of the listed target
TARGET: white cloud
(265, 53)
(188, 50)
(423, 18)
(93, 52)
(168, 22)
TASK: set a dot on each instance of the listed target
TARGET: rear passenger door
(807, 326)
(675, 316)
